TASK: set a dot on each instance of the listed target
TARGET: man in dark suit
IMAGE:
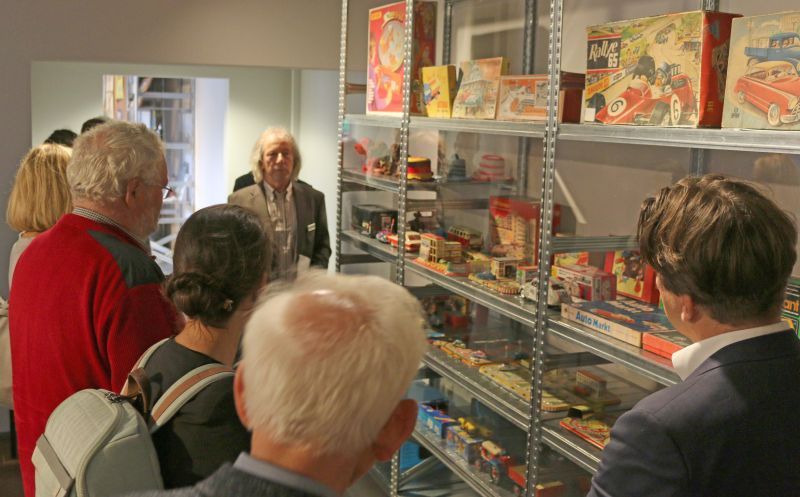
(314, 389)
(723, 254)
(291, 210)
(244, 181)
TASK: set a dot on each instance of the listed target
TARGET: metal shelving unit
(539, 321)
(478, 481)
(511, 306)
(508, 405)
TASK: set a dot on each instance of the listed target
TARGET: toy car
(412, 241)
(557, 294)
(662, 103)
(772, 87)
(383, 236)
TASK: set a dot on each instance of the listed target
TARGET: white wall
(64, 94)
(211, 108)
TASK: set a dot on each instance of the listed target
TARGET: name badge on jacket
(312, 227)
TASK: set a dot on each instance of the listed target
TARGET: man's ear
(238, 396)
(132, 190)
(689, 310)
(396, 430)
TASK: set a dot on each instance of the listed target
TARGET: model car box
(791, 306)
(763, 88)
(635, 279)
(666, 70)
(463, 444)
(514, 226)
(369, 219)
(385, 68)
(664, 343)
(434, 420)
(439, 90)
(480, 83)
(624, 319)
(586, 282)
(524, 98)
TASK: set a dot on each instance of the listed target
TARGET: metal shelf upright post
(545, 237)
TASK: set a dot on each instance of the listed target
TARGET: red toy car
(774, 88)
(641, 104)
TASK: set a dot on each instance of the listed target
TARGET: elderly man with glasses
(86, 300)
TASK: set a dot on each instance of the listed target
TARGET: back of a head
(64, 137)
(219, 259)
(105, 158)
(723, 243)
(92, 123)
(40, 195)
(326, 361)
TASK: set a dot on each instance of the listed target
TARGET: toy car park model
(666, 70)
(763, 89)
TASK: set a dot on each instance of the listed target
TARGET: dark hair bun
(198, 295)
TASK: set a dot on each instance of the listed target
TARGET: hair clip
(228, 305)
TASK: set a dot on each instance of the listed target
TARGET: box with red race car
(667, 70)
(763, 89)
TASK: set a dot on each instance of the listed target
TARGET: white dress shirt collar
(690, 358)
(271, 191)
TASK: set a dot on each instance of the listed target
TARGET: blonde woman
(40, 196)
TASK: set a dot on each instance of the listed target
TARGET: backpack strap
(142, 362)
(184, 390)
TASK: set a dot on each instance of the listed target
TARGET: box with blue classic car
(763, 87)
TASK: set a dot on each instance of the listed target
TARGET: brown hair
(221, 256)
(721, 242)
(40, 195)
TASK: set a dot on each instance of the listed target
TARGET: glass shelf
(719, 139)
(512, 306)
(652, 366)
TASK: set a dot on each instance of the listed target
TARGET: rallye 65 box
(666, 70)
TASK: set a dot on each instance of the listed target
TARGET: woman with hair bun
(219, 267)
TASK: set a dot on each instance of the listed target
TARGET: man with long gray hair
(292, 212)
(315, 389)
(86, 299)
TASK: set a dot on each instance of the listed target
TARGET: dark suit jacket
(243, 181)
(312, 224)
(730, 429)
(228, 481)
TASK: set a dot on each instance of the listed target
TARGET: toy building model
(457, 169)
(441, 255)
(514, 226)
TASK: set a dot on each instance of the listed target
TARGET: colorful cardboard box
(635, 279)
(385, 66)
(586, 282)
(439, 90)
(666, 70)
(623, 319)
(763, 88)
(524, 98)
(514, 226)
(480, 84)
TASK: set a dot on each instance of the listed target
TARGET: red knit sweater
(85, 303)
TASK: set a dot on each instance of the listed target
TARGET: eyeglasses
(168, 192)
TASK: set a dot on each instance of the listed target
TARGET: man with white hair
(325, 367)
(292, 212)
(86, 299)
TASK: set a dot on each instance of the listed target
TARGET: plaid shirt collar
(103, 219)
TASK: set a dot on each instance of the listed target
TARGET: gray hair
(106, 157)
(267, 136)
(316, 355)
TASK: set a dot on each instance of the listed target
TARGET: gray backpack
(98, 443)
